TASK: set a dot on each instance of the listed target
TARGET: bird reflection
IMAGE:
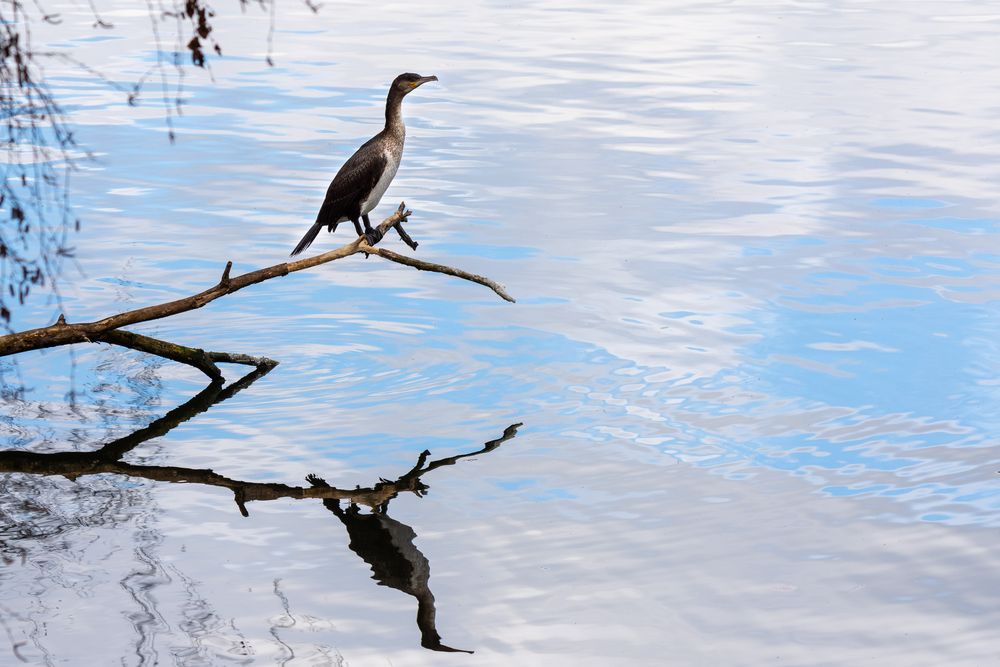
(381, 541)
(387, 545)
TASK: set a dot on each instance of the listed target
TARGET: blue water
(755, 252)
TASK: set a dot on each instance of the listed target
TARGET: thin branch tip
(404, 236)
(224, 280)
(421, 265)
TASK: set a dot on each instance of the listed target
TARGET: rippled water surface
(755, 251)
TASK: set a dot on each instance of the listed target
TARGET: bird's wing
(353, 182)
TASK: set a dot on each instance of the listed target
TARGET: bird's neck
(394, 113)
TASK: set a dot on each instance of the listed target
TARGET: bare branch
(200, 359)
(98, 21)
(63, 333)
(421, 265)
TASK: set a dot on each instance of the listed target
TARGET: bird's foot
(372, 236)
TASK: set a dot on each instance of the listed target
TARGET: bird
(359, 185)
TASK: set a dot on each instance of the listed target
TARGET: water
(754, 247)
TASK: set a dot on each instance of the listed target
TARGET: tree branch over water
(35, 213)
(108, 329)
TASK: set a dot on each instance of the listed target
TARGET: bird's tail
(308, 238)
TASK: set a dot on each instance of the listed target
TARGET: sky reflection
(754, 251)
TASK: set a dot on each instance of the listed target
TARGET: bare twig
(38, 144)
(406, 237)
(421, 265)
(200, 359)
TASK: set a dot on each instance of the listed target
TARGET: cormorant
(359, 185)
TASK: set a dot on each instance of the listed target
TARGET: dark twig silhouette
(36, 218)
(38, 150)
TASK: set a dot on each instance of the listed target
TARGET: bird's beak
(424, 79)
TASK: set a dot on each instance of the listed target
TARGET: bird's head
(404, 83)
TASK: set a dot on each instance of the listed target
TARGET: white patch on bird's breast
(391, 165)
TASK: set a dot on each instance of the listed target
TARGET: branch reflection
(387, 545)
(381, 541)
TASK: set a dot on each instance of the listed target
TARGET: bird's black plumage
(360, 183)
